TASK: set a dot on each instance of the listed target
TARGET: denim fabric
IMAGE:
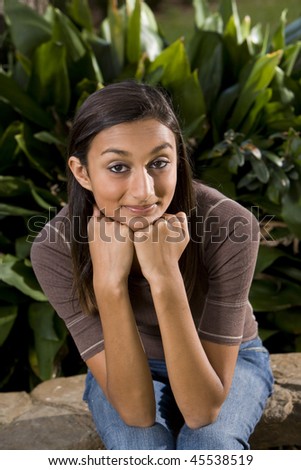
(252, 385)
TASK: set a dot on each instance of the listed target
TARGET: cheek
(106, 192)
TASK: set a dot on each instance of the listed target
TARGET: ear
(80, 172)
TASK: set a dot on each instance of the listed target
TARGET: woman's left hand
(160, 245)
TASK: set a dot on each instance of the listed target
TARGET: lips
(141, 209)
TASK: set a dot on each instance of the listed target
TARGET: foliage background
(236, 85)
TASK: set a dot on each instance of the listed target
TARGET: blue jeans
(252, 385)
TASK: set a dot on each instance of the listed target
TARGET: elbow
(199, 420)
(139, 420)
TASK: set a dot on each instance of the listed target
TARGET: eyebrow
(125, 153)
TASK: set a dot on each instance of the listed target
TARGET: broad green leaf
(174, 63)
(33, 159)
(202, 11)
(223, 108)
(11, 93)
(8, 315)
(289, 320)
(269, 296)
(117, 29)
(189, 99)
(291, 55)
(278, 40)
(280, 180)
(28, 28)
(81, 13)
(258, 78)
(273, 158)
(15, 272)
(104, 55)
(280, 91)
(291, 212)
(272, 192)
(49, 335)
(266, 257)
(229, 12)
(9, 210)
(11, 186)
(8, 145)
(261, 100)
(265, 333)
(9, 294)
(206, 55)
(22, 247)
(289, 271)
(219, 178)
(43, 197)
(260, 169)
(49, 80)
(133, 34)
(50, 138)
(65, 33)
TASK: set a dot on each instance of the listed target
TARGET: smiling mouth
(142, 209)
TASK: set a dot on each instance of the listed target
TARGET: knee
(209, 437)
(126, 437)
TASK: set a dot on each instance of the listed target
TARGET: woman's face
(132, 171)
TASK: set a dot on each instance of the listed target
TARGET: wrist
(164, 276)
(106, 285)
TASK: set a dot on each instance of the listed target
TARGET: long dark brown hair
(114, 104)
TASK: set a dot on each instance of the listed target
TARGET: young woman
(151, 272)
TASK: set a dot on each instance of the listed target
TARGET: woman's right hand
(111, 248)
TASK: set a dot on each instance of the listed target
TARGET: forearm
(129, 384)
(197, 388)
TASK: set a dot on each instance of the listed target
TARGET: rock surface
(53, 415)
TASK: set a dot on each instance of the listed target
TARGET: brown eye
(158, 164)
(118, 168)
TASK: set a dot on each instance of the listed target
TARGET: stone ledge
(53, 415)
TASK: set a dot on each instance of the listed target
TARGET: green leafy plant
(237, 90)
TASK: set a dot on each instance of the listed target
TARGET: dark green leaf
(14, 272)
(8, 316)
(6, 209)
(274, 158)
(8, 145)
(258, 78)
(133, 49)
(268, 296)
(11, 186)
(289, 320)
(291, 213)
(266, 257)
(49, 81)
(80, 12)
(49, 335)
(174, 62)
(65, 33)
(11, 92)
(206, 55)
(260, 169)
(28, 28)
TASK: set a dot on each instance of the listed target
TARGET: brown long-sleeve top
(227, 238)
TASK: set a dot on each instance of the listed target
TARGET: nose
(142, 185)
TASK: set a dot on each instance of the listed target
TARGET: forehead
(150, 131)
